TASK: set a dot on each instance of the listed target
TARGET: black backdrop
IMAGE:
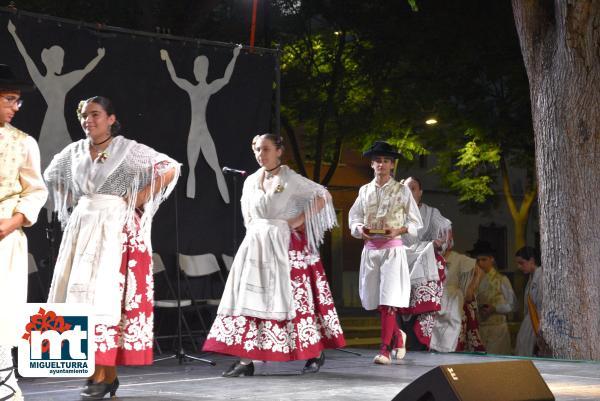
(154, 111)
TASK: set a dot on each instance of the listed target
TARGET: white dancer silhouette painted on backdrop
(199, 138)
(54, 135)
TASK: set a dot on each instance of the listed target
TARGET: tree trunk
(336, 159)
(560, 42)
(336, 78)
(291, 134)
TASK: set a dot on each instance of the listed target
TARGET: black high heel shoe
(238, 369)
(97, 391)
(314, 364)
(3, 383)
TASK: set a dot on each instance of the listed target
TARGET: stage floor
(343, 377)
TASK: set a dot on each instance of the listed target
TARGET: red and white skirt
(315, 327)
(425, 302)
(130, 342)
(469, 339)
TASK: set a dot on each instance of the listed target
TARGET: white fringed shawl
(129, 167)
(259, 283)
(95, 201)
(435, 226)
(297, 194)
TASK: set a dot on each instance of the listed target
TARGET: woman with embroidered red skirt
(106, 189)
(277, 305)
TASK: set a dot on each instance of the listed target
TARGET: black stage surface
(343, 377)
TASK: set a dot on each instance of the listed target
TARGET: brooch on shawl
(102, 156)
(279, 188)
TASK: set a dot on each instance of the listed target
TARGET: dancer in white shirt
(384, 211)
(22, 195)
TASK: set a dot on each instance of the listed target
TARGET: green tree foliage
(474, 168)
(338, 88)
(466, 61)
(457, 61)
(325, 90)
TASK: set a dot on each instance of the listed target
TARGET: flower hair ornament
(80, 107)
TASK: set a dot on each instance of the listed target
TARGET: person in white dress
(277, 304)
(384, 211)
(22, 195)
(529, 339)
(496, 299)
(106, 189)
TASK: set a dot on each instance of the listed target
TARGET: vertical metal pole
(267, 23)
(235, 213)
(253, 25)
(180, 353)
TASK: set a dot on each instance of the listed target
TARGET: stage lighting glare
(431, 121)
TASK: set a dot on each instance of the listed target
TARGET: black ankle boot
(97, 391)
(238, 369)
(3, 383)
(314, 364)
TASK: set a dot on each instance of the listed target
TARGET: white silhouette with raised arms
(199, 138)
(54, 135)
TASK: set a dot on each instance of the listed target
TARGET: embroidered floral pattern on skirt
(315, 327)
(469, 339)
(425, 301)
(130, 342)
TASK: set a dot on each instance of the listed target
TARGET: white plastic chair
(200, 266)
(228, 260)
(159, 270)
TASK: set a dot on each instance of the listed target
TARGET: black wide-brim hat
(482, 248)
(381, 148)
(9, 82)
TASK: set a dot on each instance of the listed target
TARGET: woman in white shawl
(277, 305)
(114, 186)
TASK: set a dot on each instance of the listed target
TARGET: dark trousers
(407, 326)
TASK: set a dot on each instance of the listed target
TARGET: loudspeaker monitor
(490, 381)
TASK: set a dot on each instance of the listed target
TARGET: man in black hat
(385, 210)
(22, 195)
(496, 300)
